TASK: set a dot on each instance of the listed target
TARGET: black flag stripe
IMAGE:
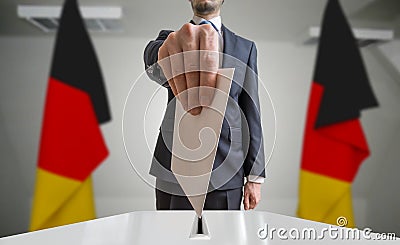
(75, 62)
(340, 69)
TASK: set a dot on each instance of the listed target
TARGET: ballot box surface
(177, 227)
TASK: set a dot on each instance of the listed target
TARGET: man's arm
(254, 164)
(150, 57)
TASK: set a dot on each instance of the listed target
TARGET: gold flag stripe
(59, 201)
(324, 199)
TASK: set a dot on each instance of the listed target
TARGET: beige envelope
(195, 142)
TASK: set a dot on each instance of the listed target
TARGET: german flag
(72, 145)
(334, 141)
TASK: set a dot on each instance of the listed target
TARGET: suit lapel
(229, 45)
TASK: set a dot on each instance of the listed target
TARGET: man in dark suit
(240, 153)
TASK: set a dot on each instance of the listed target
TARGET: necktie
(220, 40)
(205, 22)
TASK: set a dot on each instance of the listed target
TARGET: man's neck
(209, 16)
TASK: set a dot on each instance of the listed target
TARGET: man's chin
(205, 8)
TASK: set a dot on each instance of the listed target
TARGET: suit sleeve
(150, 57)
(254, 163)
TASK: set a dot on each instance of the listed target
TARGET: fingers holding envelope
(199, 48)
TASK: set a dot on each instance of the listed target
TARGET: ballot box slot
(199, 226)
(199, 229)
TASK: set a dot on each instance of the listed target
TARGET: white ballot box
(181, 227)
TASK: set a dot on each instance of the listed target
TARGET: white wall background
(286, 69)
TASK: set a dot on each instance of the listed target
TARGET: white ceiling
(281, 20)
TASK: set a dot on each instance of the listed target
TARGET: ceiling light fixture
(97, 18)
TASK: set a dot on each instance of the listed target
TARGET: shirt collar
(216, 21)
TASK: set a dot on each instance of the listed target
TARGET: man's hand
(252, 195)
(182, 71)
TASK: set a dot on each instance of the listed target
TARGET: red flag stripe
(72, 144)
(336, 150)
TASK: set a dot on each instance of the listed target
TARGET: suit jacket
(240, 149)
